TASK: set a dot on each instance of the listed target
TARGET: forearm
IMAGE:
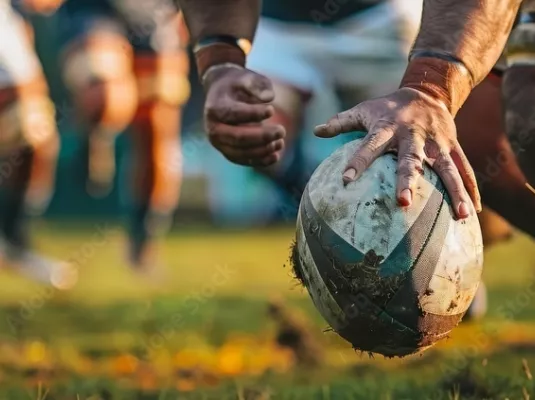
(221, 31)
(236, 18)
(474, 32)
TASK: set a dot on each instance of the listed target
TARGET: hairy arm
(237, 18)
(472, 31)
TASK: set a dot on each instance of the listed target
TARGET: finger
(257, 88)
(372, 146)
(411, 156)
(446, 169)
(230, 112)
(467, 174)
(245, 136)
(252, 156)
(347, 121)
(258, 163)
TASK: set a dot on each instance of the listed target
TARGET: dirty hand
(238, 101)
(420, 129)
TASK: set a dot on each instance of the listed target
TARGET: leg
(97, 70)
(481, 133)
(31, 166)
(163, 88)
(518, 93)
(30, 137)
(289, 104)
(283, 58)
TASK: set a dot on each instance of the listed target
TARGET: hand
(238, 101)
(421, 129)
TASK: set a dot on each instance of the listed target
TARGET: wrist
(217, 50)
(447, 81)
(216, 71)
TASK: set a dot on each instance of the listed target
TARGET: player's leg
(481, 134)
(280, 54)
(161, 72)
(519, 92)
(30, 145)
(290, 103)
(97, 68)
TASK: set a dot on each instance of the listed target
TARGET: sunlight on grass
(205, 326)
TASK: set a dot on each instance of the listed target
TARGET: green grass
(199, 332)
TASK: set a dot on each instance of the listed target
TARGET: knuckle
(412, 157)
(385, 126)
(225, 113)
(408, 171)
(447, 168)
(359, 161)
(211, 110)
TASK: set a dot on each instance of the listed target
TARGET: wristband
(441, 76)
(222, 49)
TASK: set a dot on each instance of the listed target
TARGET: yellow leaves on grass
(125, 364)
(35, 353)
(252, 358)
(230, 360)
(197, 365)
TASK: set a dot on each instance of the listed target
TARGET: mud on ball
(389, 280)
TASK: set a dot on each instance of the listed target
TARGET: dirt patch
(295, 263)
(296, 333)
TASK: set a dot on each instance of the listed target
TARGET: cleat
(61, 275)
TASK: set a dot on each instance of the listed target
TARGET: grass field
(204, 331)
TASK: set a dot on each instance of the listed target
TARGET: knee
(99, 75)
(494, 228)
(27, 117)
(163, 79)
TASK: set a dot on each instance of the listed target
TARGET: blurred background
(214, 190)
(219, 315)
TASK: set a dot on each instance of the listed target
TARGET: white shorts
(367, 52)
(18, 61)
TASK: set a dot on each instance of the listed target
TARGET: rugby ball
(388, 279)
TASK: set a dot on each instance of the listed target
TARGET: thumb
(258, 87)
(343, 122)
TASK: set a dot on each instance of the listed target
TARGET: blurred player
(125, 63)
(29, 142)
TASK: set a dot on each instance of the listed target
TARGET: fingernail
(464, 210)
(405, 198)
(349, 175)
(319, 129)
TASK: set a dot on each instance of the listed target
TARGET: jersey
(324, 12)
